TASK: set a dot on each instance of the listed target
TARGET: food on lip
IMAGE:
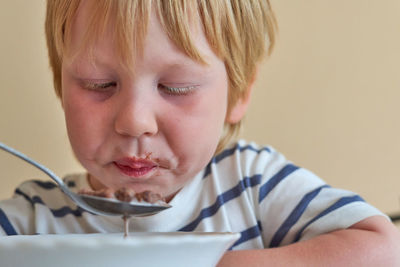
(124, 194)
(136, 163)
(135, 167)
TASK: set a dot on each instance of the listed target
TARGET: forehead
(103, 27)
(87, 30)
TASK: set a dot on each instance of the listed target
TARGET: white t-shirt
(248, 189)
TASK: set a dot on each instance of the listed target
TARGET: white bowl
(139, 249)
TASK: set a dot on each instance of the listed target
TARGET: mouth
(135, 167)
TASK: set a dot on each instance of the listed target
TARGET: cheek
(76, 126)
(84, 124)
(198, 130)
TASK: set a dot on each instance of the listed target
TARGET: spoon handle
(34, 163)
(53, 176)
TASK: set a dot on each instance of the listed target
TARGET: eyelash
(104, 87)
(177, 91)
(99, 87)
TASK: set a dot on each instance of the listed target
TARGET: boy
(152, 92)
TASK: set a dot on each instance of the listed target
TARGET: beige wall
(327, 98)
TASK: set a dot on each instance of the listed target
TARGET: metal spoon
(93, 204)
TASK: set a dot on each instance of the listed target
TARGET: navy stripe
(338, 204)
(19, 192)
(6, 225)
(33, 201)
(56, 212)
(71, 184)
(45, 185)
(222, 199)
(294, 216)
(271, 183)
(64, 211)
(248, 234)
(229, 152)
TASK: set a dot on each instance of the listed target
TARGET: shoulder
(35, 192)
(292, 203)
(34, 202)
(250, 160)
(47, 193)
(16, 213)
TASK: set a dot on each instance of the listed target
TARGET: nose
(135, 117)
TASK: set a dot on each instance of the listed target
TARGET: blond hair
(240, 32)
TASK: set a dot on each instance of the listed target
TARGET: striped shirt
(248, 189)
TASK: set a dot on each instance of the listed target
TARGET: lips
(135, 167)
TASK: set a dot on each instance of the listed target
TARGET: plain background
(327, 97)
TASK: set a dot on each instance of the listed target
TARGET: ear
(238, 110)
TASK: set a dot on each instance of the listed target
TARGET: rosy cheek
(77, 125)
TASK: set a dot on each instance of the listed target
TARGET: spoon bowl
(95, 204)
(115, 207)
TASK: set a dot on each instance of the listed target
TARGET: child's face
(153, 130)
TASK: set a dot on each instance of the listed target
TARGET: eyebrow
(179, 61)
(78, 64)
(190, 64)
(182, 61)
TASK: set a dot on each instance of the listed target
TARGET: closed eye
(99, 87)
(177, 91)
